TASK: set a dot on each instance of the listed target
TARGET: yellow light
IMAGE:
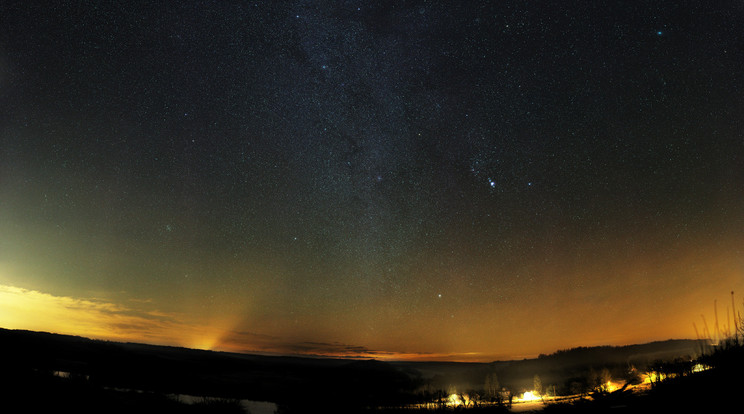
(652, 377)
(613, 386)
(699, 368)
(530, 396)
(453, 400)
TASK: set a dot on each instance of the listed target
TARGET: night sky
(463, 180)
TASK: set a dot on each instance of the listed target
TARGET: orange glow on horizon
(222, 331)
(37, 311)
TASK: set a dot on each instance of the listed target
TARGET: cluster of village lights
(457, 400)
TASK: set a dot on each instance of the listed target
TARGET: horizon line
(412, 357)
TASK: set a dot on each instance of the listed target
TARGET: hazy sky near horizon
(392, 179)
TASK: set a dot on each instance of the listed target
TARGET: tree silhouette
(604, 378)
(492, 386)
(537, 384)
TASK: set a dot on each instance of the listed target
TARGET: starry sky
(466, 180)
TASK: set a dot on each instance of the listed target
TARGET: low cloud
(38, 311)
(33, 310)
(277, 346)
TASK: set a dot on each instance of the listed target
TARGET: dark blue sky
(374, 174)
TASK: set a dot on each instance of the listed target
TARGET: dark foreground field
(706, 392)
(46, 372)
(715, 390)
(42, 371)
(27, 391)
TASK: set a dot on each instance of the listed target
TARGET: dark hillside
(557, 368)
(172, 370)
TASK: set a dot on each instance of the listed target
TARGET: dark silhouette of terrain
(560, 368)
(102, 366)
(103, 376)
(716, 389)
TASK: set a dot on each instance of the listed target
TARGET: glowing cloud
(38, 311)
(33, 310)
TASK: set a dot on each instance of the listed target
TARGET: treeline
(629, 353)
